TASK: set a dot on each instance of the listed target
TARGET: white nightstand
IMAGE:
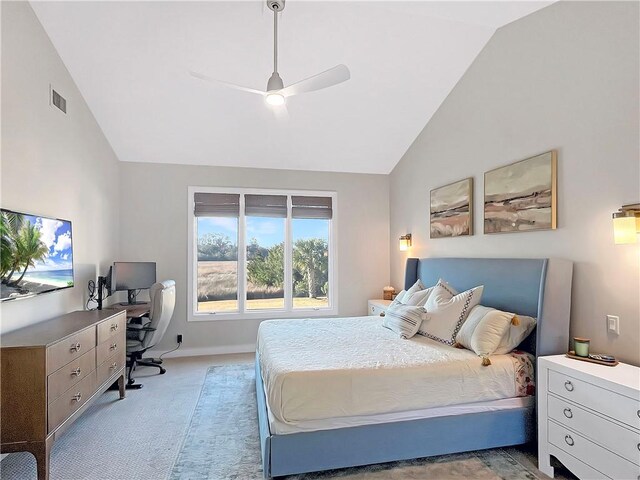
(589, 418)
(377, 307)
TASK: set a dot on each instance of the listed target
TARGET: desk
(133, 311)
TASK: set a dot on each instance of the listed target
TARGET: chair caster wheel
(162, 371)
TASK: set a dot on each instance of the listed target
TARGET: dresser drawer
(67, 376)
(376, 310)
(109, 348)
(593, 455)
(614, 437)
(611, 404)
(67, 350)
(70, 401)
(110, 367)
(111, 327)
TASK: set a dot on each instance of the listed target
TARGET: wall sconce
(405, 242)
(626, 224)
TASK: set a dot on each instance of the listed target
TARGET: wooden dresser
(51, 372)
(589, 418)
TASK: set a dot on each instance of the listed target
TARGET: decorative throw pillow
(484, 329)
(405, 320)
(520, 329)
(447, 310)
(418, 298)
(416, 287)
(400, 296)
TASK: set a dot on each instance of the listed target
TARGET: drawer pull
(75, 347)
(113, 346)
(113, 365)
(77, 372)
(568, 413)
(569, 386)
(382, 314)
(638, 413)
(639, 446)
(569, 440)
(77, 397)
(114, 327)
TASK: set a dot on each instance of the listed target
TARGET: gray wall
(53, 164)
(563, 78)
(154, 227)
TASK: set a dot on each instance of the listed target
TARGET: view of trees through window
(217, 263)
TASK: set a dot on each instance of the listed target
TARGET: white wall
(154, 228)
(53, 164)
(563, 78)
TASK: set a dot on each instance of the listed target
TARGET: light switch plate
(613, 324)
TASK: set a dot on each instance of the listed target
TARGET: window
(260, 253)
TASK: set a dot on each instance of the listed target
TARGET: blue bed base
(536, 287)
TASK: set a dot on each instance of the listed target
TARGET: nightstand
(377, 307)
(589, 418)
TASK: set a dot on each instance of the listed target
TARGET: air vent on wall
(58, 101)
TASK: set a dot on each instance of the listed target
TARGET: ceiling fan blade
(281, 113)
(333, 76)
(225, 84)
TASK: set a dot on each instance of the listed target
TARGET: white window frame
(242, 314)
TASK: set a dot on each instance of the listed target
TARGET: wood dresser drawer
(593, 455)
(72, 347)
(109, 348)
(110, 367)
(70, 374)
(111, 327)
(612, 436)
(71, 400)
(606, 402)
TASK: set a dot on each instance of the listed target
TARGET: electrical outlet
(179, 338)
(613, 324)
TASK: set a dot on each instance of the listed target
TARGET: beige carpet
(141, 436)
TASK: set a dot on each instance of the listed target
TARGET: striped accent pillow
(404, 320)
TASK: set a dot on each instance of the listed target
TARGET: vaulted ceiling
(130, 61)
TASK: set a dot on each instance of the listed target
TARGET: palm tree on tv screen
(30, 248)
(12, 224)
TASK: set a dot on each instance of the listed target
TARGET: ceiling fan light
(275, 99)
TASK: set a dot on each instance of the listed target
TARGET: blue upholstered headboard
(539, 288)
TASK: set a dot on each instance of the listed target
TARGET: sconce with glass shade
(405, 242)
(626, 224)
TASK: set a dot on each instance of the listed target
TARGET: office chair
(143, 336)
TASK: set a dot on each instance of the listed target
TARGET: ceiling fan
(276, 92)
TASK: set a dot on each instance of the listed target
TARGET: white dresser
(589, 418)
(377, 307)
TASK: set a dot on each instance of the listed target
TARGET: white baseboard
(198, 351)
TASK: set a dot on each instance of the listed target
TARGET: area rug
(222, 443)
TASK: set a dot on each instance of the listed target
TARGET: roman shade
(311, 207)
(216, 204)
(265, 205)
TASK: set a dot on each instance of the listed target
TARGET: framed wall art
(522, 196)
(451, 210)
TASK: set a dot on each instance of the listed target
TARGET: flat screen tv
(36, 256)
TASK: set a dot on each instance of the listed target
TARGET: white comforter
(325, 368)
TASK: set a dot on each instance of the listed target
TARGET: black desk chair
(146, 334)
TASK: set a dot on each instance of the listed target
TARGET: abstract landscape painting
(451, 210)
(521, 196)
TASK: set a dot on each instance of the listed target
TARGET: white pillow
(418, 298)
(516, 334)
(400, 296)
(405, 320)
(416, 287)
(484, 329)
(447, 310)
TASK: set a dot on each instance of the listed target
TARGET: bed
(321, 417)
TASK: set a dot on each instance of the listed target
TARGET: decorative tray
(572, 354)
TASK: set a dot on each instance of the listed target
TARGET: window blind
(216, 204)
(265, 205)
(311, 207)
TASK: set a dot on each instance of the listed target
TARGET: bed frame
(539, 288)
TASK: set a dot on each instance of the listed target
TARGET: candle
(581, 346)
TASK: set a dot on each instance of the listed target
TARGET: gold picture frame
(451, 210)
(522, 196)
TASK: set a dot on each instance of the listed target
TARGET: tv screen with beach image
(37, 255)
